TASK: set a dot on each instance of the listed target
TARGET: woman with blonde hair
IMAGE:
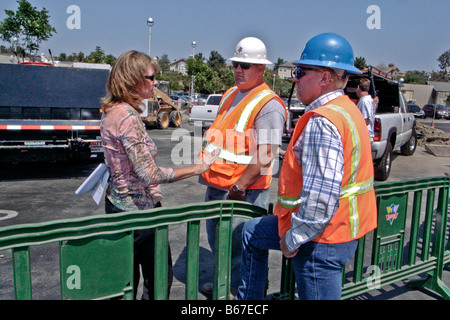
(130, 155)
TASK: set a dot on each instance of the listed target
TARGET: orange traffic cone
(432, 123)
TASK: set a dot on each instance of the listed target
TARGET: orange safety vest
(357, 213)
(235, 137)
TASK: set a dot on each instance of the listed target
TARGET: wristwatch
(236, 194)
(236, 189)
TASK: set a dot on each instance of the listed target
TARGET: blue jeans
(317, 266)
(259, 198)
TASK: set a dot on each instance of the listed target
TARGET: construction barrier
(96, 253)
(408, 241)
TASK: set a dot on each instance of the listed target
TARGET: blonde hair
(125, 79)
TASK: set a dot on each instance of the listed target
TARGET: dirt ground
(431, 135)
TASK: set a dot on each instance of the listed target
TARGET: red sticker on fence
(392, 212)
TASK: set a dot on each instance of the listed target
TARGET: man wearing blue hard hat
(326, 199)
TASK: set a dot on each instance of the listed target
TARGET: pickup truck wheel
(163, 120)
(409, 148)
(383, 166)
(175, 119)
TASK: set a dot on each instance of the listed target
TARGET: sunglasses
(244, 66)
(152, 77)
(300, 71)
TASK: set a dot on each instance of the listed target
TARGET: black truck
(50, 113)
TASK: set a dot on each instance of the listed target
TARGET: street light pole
(273, 87)
(150, 23)
(193, 44)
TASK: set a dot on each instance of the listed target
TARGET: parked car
(416, 111)
(448, 113)
(435, 110)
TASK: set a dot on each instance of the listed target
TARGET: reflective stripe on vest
(245, 115)
(289, 202)
(240, 127)
(352, 190)
(226, 97)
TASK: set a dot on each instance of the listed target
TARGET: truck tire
(409, 148)
(383, 166)
(175, 119)
(162, 120)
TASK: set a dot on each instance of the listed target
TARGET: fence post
(222, 257)
(161, 266)
(434, 278)
(192, 259)
(22, 273)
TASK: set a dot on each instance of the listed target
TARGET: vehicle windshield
(214, 100)
(440, 108)
(414, 108)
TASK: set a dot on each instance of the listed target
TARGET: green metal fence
(411, 239)
(96, 253)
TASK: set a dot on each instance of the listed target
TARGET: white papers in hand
(95, 183)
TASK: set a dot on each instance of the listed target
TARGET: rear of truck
(205, 115)
(50, 113)
(393, 123)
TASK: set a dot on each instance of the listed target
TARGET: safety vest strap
(245, 115)
(356, 151)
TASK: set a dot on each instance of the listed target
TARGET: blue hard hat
(329, 50)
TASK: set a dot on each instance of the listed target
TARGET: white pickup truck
(394, 124)
(204, 115)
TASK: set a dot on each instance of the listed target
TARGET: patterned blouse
(130, 154)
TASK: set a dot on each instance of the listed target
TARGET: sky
(412, 34)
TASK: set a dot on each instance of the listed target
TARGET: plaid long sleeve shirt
(320, 153)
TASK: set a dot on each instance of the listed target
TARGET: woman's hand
(207, 160)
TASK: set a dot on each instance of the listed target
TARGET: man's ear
(326, 78)
(262, 68)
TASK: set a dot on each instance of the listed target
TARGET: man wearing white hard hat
(326, 199)
(248, 131)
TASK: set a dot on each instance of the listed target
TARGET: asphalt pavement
(46, 192)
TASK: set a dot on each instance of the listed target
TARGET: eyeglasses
(244, 66)
(300, 71)
(151, 78)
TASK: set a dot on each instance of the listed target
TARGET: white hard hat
(251, 50)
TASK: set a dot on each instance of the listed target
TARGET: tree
(227, 78)
(279, 62)
(416, 77)
(360, 63)
(444, 63)
(97, 56)
(164, 63)
(216, 61)
(26, 28)
(79, 57)
(62, 56)
(110, 59)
